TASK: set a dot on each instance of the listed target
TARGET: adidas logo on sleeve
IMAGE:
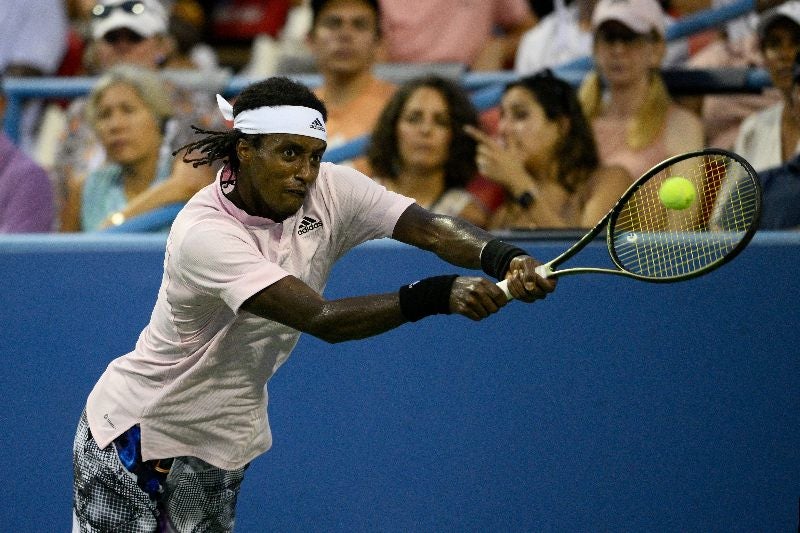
(307, 224)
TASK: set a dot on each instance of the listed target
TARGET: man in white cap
(130, 32)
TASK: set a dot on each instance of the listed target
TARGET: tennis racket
(651, 242)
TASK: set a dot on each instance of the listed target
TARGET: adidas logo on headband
(317, 125)
(276, 119)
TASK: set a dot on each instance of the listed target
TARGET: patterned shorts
(196, 496)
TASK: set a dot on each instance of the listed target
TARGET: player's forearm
(454, 240)
(355, 318)
(460, 243)
(293, 303)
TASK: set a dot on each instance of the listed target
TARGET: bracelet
(497, 255)
(429, 296)
(117, 218)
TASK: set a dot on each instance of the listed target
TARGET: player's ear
(244, 149)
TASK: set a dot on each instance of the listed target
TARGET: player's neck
(247, 203)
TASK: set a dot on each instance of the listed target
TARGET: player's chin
(293, 202)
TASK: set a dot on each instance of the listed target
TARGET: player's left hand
(476, 298)
(523, 281)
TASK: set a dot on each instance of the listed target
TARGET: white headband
(297, 120)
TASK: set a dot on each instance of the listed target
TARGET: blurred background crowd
(549, 154)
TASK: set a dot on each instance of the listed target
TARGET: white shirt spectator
(554, 41)
(759, 140)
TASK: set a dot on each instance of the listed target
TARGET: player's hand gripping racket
(666, 231)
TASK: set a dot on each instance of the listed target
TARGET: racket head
(652, 242)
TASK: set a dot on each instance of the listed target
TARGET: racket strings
(652, 241)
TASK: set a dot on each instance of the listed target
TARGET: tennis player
(170, 427)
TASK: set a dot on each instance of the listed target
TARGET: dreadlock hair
(221, 145)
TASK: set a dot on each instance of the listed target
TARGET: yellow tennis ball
(677, 193)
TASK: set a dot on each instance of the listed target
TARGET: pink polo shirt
(196, 380)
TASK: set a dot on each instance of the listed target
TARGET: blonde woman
(635, 122)
(128, 109)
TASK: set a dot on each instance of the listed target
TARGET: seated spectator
(772, 136)
(732, 45)
(722, 114)
(560, 37)
(128, 109)
(547, 159)
(419, 147)
(26, 195)
(123, 37)
(636, 124)
(344, 39)
(481, 35)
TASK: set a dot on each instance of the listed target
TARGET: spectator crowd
(549, 155)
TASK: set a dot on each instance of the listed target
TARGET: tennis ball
(677, 193)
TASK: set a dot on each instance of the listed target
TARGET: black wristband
(497, 255)
(429, 296)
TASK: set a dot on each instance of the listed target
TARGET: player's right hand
(476, 297)
(523, 281)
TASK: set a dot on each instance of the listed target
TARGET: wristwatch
(526, 199)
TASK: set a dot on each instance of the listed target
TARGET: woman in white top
(770, 137)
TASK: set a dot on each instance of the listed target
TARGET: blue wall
(614, 405)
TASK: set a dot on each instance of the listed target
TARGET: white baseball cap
(144, 17)
(641, 16)
(789, 10)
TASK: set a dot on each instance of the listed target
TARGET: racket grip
(541, 271)
(504, 287)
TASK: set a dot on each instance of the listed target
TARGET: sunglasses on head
(122, 35)
(133, 7)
